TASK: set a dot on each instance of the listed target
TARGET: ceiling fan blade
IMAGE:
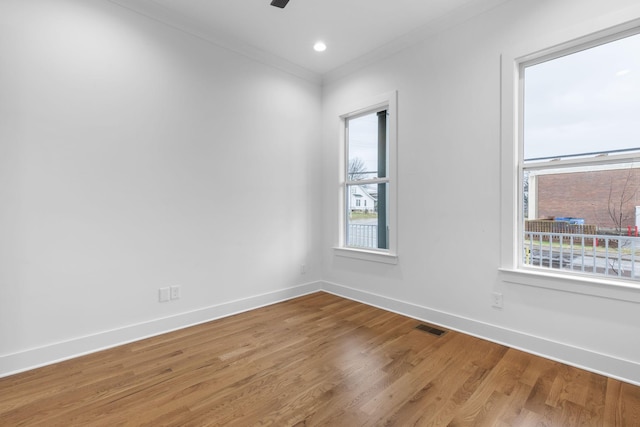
(279, 3)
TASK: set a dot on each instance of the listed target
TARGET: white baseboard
(610, 366)
(33, 358)
(624, 370)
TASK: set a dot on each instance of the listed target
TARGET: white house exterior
(360, 200)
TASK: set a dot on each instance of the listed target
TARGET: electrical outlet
(303, 269)
(497, 300)
(164, 295)
(175, 292)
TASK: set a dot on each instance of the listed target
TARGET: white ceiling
(353, 30)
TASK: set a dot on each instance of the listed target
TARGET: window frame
(511, 268)
(384, 101)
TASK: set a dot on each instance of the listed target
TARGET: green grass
(362, 215)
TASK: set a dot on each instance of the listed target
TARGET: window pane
(584, 219)
(604, 196)
(367, 216)
(585, 102)
(367, 154)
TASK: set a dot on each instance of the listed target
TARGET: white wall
(129, 152)
(449, 93)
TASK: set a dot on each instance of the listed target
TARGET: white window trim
(389, 256)
(511, 140)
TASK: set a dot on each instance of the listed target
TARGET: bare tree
(620, 213)
(618, 207)
(356, 169)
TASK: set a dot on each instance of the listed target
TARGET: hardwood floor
(316, 360)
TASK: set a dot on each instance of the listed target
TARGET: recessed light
(319, 47)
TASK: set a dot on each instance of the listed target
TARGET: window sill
(604, 288)
(366, 255)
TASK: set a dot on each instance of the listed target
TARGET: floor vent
(431, 329)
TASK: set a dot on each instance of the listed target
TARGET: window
(367, 191)
(578, 161)
(367, 164)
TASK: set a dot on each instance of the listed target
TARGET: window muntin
(579, 161)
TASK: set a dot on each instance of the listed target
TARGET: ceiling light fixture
(319, 47)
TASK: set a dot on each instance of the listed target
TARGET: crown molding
(413, 37)
(159, 13)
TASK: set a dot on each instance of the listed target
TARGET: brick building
(593, 194)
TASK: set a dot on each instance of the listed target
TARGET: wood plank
(318, 360)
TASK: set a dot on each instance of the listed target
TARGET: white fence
(598, 254)
(362, 235)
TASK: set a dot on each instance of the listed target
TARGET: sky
(363, 141)
(584, 102)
